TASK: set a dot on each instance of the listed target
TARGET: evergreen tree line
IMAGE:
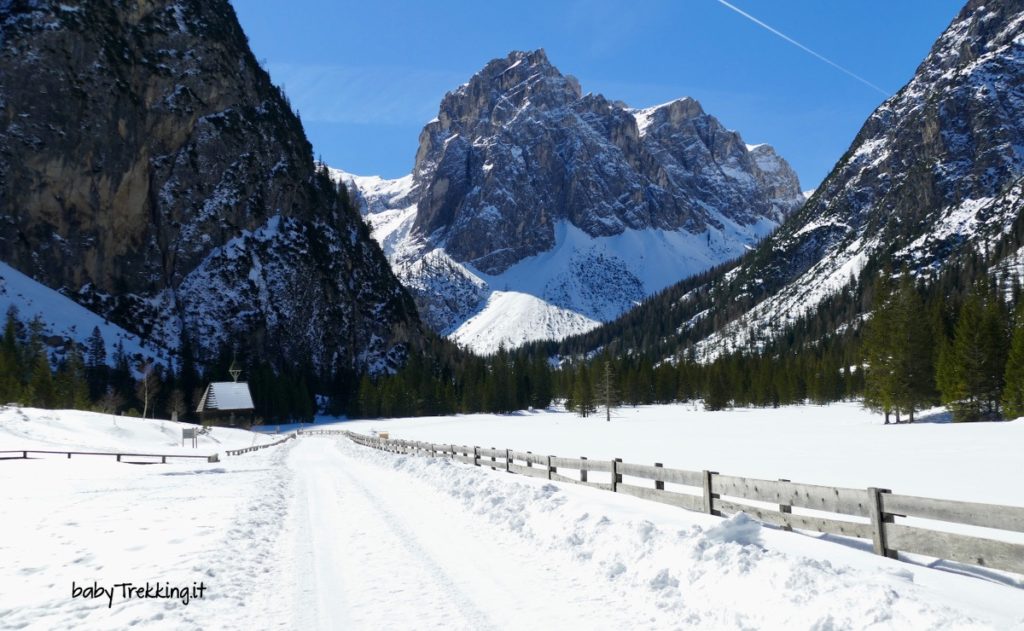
(920, 352)
(445, 380)
(920, 345)
(55, 373)
(740, 380)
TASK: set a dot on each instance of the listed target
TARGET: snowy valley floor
(322, 534)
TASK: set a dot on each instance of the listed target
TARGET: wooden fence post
(508, 461)
(494, 461)
(709, 497)
(787, 509)
(878, 521)
(550, 468)
(528, 462)
(476, 456)
(659, 484)
(616, 476)
(583, 472)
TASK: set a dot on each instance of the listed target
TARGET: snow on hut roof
(226, 395)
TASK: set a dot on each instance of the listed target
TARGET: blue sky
(366, 76)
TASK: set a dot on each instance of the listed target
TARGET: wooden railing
(24, 453)
(245, 450)
(163, 457)
(862, 513)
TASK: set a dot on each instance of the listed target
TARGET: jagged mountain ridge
(151, 171)
(934, 174)
(534, 210)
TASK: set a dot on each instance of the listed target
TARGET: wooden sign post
(190, 432)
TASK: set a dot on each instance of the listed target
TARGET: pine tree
(96, 349)
(1013, 391)
(41, 392)
(914, 367)
(898, 352)
(569, 388)
(10, 360)
(10, 385)
(997, 343)
(971, 370)
(879, 348)
(367, 398)
(72, 389)
(716, 395)
(583, 395)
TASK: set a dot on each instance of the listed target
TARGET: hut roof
(226, 395)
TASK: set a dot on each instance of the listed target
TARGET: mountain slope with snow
(64, 319)
(934, 175)
(935, 171)
(525, 185)
(153, 174)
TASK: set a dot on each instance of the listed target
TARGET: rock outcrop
(604, 204)
(151, 171)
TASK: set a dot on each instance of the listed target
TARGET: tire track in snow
(519, 586)
(360, 565)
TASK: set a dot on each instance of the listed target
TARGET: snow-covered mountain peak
(498, 93)
(520, 156)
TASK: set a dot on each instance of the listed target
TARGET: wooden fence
(163, 457)
(24, 453)
(238, 452)
(862, 513)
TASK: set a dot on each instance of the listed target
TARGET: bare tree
(607, 394)
(109, 402)
(176, 403)
(147, 386)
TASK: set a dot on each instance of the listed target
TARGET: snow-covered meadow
(322, 533)
(92, 519)
(835, 445)
(28, 428)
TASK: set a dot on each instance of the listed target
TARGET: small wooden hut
(227, 403)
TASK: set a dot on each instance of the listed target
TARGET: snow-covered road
(377, 550)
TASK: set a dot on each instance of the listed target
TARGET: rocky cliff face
(934, 174)
(150, 170)
(604, 204)
(519, 148)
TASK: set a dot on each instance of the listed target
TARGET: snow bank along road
(322, 534)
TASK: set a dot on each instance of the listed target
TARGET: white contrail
(801, 46)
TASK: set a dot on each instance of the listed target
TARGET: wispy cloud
(387, 95)
(801, 46)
